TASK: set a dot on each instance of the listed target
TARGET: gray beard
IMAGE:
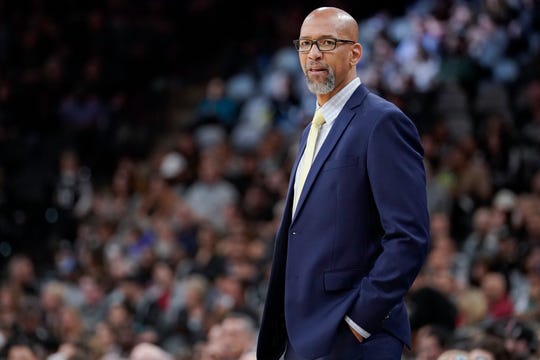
(322, 88)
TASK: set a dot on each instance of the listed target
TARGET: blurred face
(428, 348)
(209, 169)
(163, 275)
(21, 353)
(479, 354)
(21, 270)
(534, 286)
(118, 315)
(493, 286)
(104, 334)
(329, 71)
(236, 337)
(91, 290)
(51, 298)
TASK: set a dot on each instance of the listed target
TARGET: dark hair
(441, 333)
(515, 330)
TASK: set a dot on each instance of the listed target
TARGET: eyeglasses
(324, 44)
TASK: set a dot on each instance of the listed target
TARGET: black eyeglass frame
(296, 43)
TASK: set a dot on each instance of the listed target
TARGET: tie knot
(318, 119)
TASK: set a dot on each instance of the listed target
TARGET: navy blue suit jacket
(359, 237)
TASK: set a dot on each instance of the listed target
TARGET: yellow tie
(309, 154)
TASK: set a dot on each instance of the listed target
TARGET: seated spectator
(518, 338)
(489, 347)
(472, 308)
(19, 350)
(430, 342)
(216, 106)
(210, 195)
(232, 338)
(495, 287)
(429, 306)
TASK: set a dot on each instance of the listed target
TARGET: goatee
(324, 87)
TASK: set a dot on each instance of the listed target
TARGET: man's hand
(356, 334)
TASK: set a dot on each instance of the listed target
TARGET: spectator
(211, 193)
(495, 287)
(52, 300)
(490, 348)
(94, 306)
(21, 351)
(430, 342)
(239, 335)
(472, 309)
(216, 106)
(194, 319)
(430, 306)
(517, 338)
(208, 259)
(73, 193)
(480, 241)
(165, 300)
(22, 275)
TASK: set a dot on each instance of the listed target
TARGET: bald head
(328, 71)
(147, 351)
(345, 25)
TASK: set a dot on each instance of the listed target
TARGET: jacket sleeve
(397, 178)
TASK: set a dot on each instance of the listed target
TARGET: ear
(356, 54)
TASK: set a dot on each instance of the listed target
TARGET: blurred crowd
(139, 198)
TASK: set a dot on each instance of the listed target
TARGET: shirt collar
(333, 107)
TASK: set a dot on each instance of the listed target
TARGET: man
(239, 334)
(19, 349)
(355, 235)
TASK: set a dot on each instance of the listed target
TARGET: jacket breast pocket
(341, 162)
(342, 279)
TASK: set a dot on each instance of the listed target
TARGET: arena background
(145, 142)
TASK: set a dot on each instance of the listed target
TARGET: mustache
(311, 64)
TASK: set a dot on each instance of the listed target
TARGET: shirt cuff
(357, 328)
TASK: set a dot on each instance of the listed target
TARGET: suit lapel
(330, 142)
(290, 191)
(339, 126)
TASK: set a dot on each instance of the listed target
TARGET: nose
(314, 52)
